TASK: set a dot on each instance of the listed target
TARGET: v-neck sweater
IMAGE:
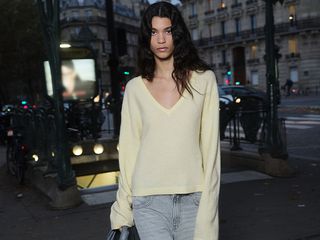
(170, 150)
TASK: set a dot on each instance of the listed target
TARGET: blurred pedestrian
(169, 145)
(288, 85)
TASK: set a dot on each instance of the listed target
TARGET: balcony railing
(222, 9)
(253, 61)
(209, 12)
(236, 5)
(193, 16)
(259, 33)
(80, 20)
(292, 55)
(250, 2)
(224, 64)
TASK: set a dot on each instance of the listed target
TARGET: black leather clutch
(131, 234)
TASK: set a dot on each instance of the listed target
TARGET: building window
(292, 14)
(253, 51)
(253, 23)
(294, 74)
(254, 77)
(88, 13)
(195, 34)
(293, 45)
(75, 14)
(212, 58)
(224, 57)
(223, 28)
(210, 5)
(222, 4)
(210, 30)
(238, 26)
(193, 9)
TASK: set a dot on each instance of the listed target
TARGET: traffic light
(125, 74)
(229, 72)
(24, 102)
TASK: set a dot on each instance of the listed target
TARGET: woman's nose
(161, 38)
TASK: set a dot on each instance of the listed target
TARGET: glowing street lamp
(65, 45)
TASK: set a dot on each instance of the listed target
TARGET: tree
(21, 51)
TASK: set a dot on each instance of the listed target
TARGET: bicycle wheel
(20, 164)
(11, 162)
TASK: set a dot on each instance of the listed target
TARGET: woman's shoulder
(205, 78)
(205, 74)
(133, 84)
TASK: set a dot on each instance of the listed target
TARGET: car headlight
(35, 157)
(98, 148)
(238, 100)
(77, 150)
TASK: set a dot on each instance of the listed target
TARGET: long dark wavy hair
(185, 55)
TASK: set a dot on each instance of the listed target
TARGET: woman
(70, 79)
(169, 148)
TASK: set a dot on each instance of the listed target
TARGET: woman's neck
(164, 68)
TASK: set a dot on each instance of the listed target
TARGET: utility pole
(113, 66)
(49, 12)
(274, 142)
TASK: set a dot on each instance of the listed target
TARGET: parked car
(244, 91)
(226, 113)
(251, 104)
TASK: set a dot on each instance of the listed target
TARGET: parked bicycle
(16, 155)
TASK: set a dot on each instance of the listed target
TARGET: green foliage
(21, 51)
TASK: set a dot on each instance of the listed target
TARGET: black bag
(129, 233)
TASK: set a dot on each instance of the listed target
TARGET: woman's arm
(207, 222)
(129, 140)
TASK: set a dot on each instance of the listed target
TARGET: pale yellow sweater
(167, 151)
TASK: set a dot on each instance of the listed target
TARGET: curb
(60, 199)
(262, 163)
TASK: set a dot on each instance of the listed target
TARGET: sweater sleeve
(207, 221)
(129, 140)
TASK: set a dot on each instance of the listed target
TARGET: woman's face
(161, 43)
(68, 79)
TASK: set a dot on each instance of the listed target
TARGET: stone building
(230, 37)
(84, 23)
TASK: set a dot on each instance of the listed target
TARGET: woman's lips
(162, 49)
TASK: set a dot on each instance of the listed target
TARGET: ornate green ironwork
(275, 144)
(49, 12)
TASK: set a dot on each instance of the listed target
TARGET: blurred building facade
(84, 23)
(230, 37)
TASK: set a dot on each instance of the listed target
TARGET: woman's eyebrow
(166, 28)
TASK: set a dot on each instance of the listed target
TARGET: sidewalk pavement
(268, 209)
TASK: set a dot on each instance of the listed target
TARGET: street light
(65, 45)
(274, 142)
(49, 13)
(113, 65)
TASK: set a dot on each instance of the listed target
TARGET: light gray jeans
(166, 216)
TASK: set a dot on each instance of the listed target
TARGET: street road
(303, 133)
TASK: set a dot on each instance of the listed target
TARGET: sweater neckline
(160, 106)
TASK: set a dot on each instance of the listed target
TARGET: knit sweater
(170, 151)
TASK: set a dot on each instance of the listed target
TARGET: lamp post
(274, 142)
(113, 66)
(49, 12)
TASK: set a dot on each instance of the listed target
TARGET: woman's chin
(164, 56)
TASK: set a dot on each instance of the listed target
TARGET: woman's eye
(153, 33)
(168, 31)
